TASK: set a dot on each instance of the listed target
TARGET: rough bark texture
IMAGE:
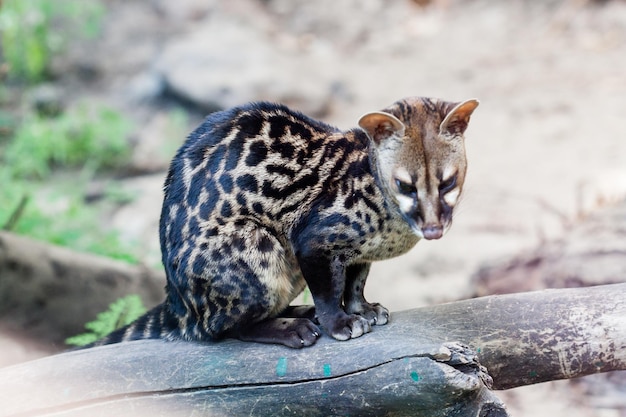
(591, 252)
(408, 367)
(365, 378)
(539, 336)
(49, 293)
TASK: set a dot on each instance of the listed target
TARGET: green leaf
(121, 313)
(33, 31)
(82, 136)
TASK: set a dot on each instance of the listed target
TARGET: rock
(48, 293)
(157, 141)
(222, 64)
(145, 87)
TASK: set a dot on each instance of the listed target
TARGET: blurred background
(97, 95)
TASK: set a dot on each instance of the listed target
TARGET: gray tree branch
(410, 367)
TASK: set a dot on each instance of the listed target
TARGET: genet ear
(457, 119)
(380, 125)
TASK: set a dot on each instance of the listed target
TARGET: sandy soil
(546, 145)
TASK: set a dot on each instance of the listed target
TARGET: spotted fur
(261, 201)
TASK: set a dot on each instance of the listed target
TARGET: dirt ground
(546, 145)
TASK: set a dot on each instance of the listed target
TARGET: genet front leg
(326, 279)
(354, 300)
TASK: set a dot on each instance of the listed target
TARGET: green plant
(89, 138)
(120, 313)
(85, 137)
(58, 214)
(33, 31)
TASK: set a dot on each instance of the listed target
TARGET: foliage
(36, 198)
(33, 31)
(59, 216)
(91, 138)
(86, 137)
(120, 313)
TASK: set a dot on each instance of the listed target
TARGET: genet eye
(406, 188)
(447, 185)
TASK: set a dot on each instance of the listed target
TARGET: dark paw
(291, 332)
(297, 333)
(346, 326)
(374, 313)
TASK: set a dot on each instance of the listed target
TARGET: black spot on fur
(208, 206)
(194, 227)
(258, 153)
(198, 265)
(301, 157)
(247, 182)
(265, 244)
(357, 227)
(301, 130)
(226, 181)
(215, 158)
(281, 170)
(227, 250)
(270, 191)
(278, 127)
(251, 124)
(286, 149)
(234, 151)
(227, 210)
(239, 244)
(258, 208)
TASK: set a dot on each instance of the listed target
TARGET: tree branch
(408, 367)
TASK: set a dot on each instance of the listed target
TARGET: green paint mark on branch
(414, 376)
(327, 371)
(281, 367)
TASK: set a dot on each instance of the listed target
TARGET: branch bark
(408, 367)
(533, 337)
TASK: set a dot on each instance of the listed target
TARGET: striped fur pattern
(261, 201)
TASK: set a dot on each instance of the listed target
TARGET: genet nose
(432, 232)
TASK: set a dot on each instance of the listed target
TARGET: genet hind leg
(295, 327)
(255, 282)
(302, 311)
(291, 332)
(287, 325)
